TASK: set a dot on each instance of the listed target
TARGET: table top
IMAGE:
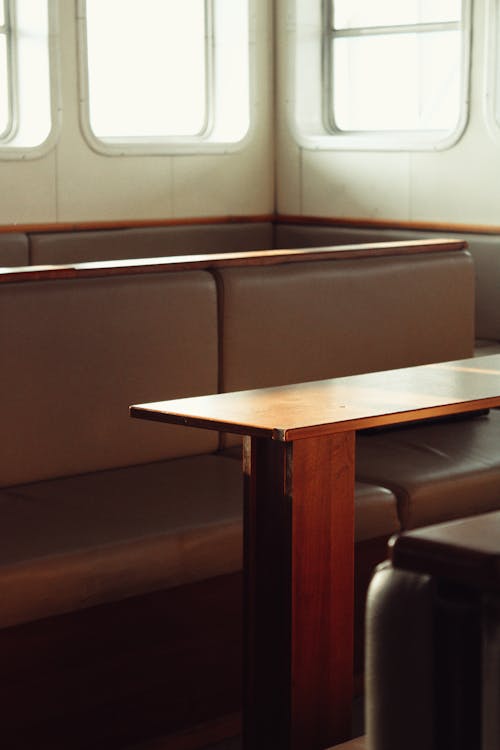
(324, 407)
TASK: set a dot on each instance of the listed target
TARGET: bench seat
(76, 542)
(437, 471)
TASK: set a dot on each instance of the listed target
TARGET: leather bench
(99, 509)
(147, 242)
(14, 249)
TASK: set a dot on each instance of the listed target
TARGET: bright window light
(495, 73)
(26, 102)
(5, 90)
(164, 73)
(147, 67)
(351, 14)
(397, 82)
(394, 66)
(33, 73)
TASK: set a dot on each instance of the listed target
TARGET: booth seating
(55, 246)
(441, 594)
(14, 249)
(107, 521)
(484, 248)
(148, 242)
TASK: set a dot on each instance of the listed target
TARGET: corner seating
(99, 510)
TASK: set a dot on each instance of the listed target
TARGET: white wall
(460, 185)
(73, 183)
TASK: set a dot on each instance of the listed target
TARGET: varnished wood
(322, 590)
(299, 543)
(299, 487)
(213, 261)
(355, 222)
(341, 404)
(85, 226)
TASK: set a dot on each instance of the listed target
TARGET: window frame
(492, 64)
(319, 130)
(330, 33)
(202, 142)
(8, 31)
(9, 149)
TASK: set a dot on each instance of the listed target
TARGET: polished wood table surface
(298, 469)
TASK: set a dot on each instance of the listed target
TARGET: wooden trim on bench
(275, 219)
(85, 226)
(359, 223)
(227, 260)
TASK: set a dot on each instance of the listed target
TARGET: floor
(357, 726)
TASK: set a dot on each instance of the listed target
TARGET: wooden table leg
(299, 551)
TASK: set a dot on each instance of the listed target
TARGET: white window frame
(11, 94)
(207, 140)
(311, 124)
(9, 149)
(492, 69)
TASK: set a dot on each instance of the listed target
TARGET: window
(162, 75)
(493, 74)
(26, 100)
(6, 73)
(392, 74)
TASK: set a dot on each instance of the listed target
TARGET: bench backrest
(14, 249)
(77, 352)
(289, 324)
(81, 343)
(148, 242)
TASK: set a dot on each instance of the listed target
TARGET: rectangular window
(148, 67)
(164, 75)
(6, 73)
(28, 90)
(393, 66)
(493, 92)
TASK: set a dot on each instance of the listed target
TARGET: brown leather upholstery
(375, 512)
(293, 323)
(76, 247)
(77, 353)
(14, 249)
(72, 543)
(437, 471)
(484, 248)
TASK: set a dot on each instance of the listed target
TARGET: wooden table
(299, 529)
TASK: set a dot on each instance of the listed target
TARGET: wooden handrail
(348, 222)
(85, 226)
(227, 260)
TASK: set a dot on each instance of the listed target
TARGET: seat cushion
(76, 542)
(437, 471)
(375, 512)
